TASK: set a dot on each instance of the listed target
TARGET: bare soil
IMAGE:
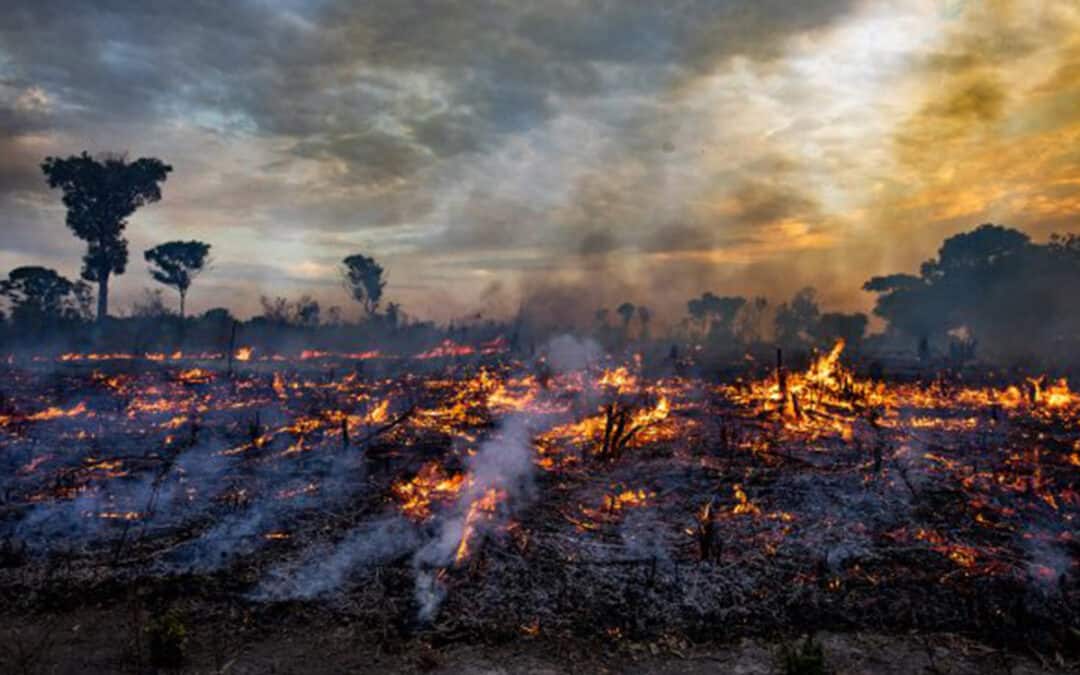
(114, 640)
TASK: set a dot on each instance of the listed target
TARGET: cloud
(670, 144)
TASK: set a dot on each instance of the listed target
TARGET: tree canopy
(38, 295)
(100, 195)
(1015, 296)
(796, 320)
(177, 263)
(715, 314)
(364, 280)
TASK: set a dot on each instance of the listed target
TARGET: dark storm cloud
(329, 70)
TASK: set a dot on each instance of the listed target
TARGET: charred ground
(467, 494)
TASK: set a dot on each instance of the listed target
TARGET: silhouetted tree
(796, 320)
(177, 263)
(100, 195)
(833, 326)
(751, 321)
(275, 310)
(987, 283)
(906, 303)
(644, 316)
(364, 279)
(218, 315)
(333, 315)
(393, 314)
(698, 309)
(150, 306)
(307, 311)
(626, 313)
(716, 315)
(38, 295)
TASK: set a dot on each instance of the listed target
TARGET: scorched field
(471, 494)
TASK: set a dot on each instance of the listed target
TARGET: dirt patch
(115, 640)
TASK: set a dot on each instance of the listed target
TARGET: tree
(833, 326)
(715, 315)
(626, 313)
(305, 311)
(218, 315)
(100, 195)
(364, 280)
(751, 321)
(393, 314)
(150, 305)
(39, 295)
(644, 316)
(986, 284)
(795, 320)
(275, 310)
(177, 263)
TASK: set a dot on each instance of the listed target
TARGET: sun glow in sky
(487, 152)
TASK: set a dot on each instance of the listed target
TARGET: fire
(430, 484)
(195, 376)
(55, 412)
(115, 515)
(619, 379)
(826, 368)
(625, 498)
(279, 385)
(1056, 394)
(480, 509)
(735, 467)
(379, 414)
(657, 413)
(743, 506)
(446, 348)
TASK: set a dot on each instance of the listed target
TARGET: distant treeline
(990, 293)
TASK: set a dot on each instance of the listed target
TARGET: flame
(1007, 447)
(195, 376)
(55, 412)
(446, 348)
(379, 414)
(619, 379)
(430, 484)
(480, 509)
(743, 506)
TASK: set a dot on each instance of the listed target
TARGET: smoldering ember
(726, 337)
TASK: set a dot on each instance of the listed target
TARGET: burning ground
(468, 493)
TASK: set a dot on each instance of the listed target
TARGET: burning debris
(490, 492)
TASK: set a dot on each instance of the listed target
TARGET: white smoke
(502, 463)
(323, 571)
(568, 353)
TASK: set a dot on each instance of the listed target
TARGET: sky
(560, 155)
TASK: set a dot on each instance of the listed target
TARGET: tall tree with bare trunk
(100, 195)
